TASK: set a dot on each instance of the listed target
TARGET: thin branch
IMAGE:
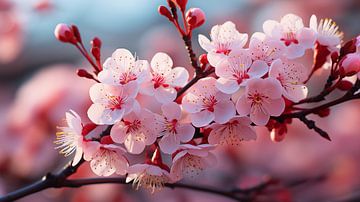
(58, 182)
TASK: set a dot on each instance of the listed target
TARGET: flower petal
(201, 119)
(224, 111)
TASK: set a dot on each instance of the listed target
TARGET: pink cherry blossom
(327, 32)
(136, 130)
(224, 39)
(151, 177)
(121, 68)
(206, 103)
(232, 133)
(264, 48)
(291, 76)
(71, 140)
(262, 99)
(235, 70)
(191, 160)
(108, 158)
(172, 128)
(350, 65)
(292, 33)
(111, 103)
(164, 79)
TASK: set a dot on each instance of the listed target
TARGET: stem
(193, 81)
(87, 56)
(48, 181)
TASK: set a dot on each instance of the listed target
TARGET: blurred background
(38, 85)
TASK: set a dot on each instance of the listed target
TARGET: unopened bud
(96, 42)
(345, 85)
(323, 112)
(64, 33)
(203, 59)
(195, 17)
(76, 32)
(350, 64)
(85, 74)
(95, 51)
(181, 4)
(165, 12)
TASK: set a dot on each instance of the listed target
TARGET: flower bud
(350, 65)
(181, 4)
(85, 74)
(203, 59)
(165, 12)
(345, 85)
(95, 51)
(323, 112)
(278, 134)
(64, 33)
(96, 42)
(195, 17)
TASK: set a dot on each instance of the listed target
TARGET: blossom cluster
(250, 84)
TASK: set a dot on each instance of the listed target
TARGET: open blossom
(264, 48)
(71, 138)
(327, 32)
(135, 131)
(237, 69)
(121, 68)
(206, 103)
(191, 160)
(148, 176)
(262, 99)
(111, 103)
(224, 39)
(108, 158)
(292, 33)
(172, 129)
(232, 133)
(291, 76)
(164, 79)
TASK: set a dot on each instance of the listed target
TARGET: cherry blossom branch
(50, 180)
(301, 115)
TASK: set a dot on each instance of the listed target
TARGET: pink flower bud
(195, 17)
(64, 33)
(350, 65)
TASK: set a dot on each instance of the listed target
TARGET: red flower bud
(349, 47)
(85, 74)
(64, 33)
(76, 32)
(334, 57)
(323, 112)
(95, 51)
(203, 59)
(195, 17)
(181, 4)
(278, 134)
(345, 85)
(165, 12)
(96, 42)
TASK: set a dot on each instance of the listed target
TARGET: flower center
(150, 182)
(126, 77)
(171, 126)
(257, 98)
(158, 81)
(132, 126)
(289, 37)
(209, 103)
(115, 102)
(240, 76)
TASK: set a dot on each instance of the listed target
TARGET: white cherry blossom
(224, 39)
(164, 79)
